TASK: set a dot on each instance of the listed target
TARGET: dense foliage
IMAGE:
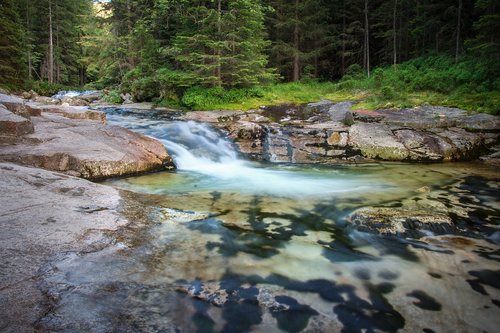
(200, 54)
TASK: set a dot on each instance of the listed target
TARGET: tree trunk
(51, 47)
(342, 60)
(219, 30)
(57, 66)
(459, 19)
(296, 60)
(28, 31)
(394, 34)
(131, 57)
(367, 41)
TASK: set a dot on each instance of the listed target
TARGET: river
(229, 245)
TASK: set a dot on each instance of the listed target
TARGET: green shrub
(199, 98)
(144, 89)
(112, 96)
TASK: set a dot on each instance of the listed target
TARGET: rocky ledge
(74, 140)
(44, 214)
(327, 132)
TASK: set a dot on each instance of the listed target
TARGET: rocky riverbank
(46, 214)
(50, 215)
(331, 133)
(74, 140)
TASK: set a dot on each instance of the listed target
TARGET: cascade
(196, 147)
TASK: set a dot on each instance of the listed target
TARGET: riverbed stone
(400, 222)
(43, 215)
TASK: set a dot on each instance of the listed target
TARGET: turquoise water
(226, 245)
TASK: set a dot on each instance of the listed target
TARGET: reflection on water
(271, 249)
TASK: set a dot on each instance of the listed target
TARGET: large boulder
(377, 141)
(87, 149)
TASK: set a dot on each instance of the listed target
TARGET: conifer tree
(222, 44)
(12, 50)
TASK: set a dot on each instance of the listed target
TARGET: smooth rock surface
(86, 149)
(377, 141)
(44, 214)
(12, 124)
(75, 112)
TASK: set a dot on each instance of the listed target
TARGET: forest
(239, 54)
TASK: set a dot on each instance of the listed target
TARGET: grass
(370, 98)
(471, 84)
(487, 102)
(278, 93)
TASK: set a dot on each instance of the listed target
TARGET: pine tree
(222, 44)
(486, 42)
(12, 50)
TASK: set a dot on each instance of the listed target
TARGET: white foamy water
(73, 93)
(198, 148)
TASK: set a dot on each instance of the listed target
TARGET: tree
(486, 42)
(12, 50)
(222, 44)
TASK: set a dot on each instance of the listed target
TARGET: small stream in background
(228, 245)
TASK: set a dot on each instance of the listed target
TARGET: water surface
(226, 245)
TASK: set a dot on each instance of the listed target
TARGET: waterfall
(196, 147)
(73, 93)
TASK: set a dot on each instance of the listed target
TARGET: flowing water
(226, 245)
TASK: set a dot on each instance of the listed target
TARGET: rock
(70, 112)
(182, 216)
(423, 146)
(462, 145)
(73, 101)
(46, 100)
(18, 106)
(212, 116)
(423, 117)
(88, 149)
(377, 141)
(12, 124)
(29, 94)
(91, 96)
(367, 116)
(423, 189)
(127, 98)
(341, 112)
(401, 222)
(323, 106)
(246, 130)
(41, 218)
(493, 156)
(348, 119)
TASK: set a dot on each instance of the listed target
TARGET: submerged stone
(401, 222)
